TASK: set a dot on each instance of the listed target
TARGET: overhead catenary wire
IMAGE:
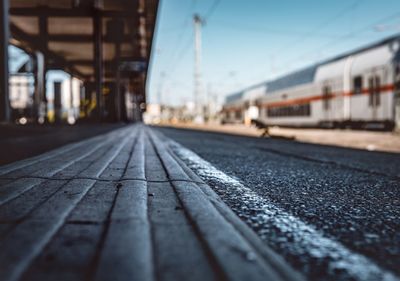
(178, 56)
(266, 30)
(346, 36)
(212, 10)
(311, 33)
(337, 16)
(176, 51)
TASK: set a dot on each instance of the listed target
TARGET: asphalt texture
(19, 142)
(351, 196)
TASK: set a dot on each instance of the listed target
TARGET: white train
(358, 89)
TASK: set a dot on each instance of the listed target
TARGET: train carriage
(357, 89)
(232, 111)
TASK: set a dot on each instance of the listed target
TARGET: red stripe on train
(299, 101)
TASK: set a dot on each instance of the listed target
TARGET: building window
(357, 85)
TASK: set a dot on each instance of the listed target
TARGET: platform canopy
(74, 34)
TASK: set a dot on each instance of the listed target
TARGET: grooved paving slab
(122, 206)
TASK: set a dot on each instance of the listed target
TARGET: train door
(251, 114)
(374, 87)
(397, 96)
(326, 102)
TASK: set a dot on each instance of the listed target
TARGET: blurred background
(204, 74)
(242, 45)
(236, 66)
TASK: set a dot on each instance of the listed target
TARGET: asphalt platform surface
(350, 196)
(123, 206)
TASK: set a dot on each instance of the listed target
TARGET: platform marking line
(304, 238)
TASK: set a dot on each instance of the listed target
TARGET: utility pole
(160, 88)
(212, 103)
(160, 93)
(98, 61)
(4, 71)
(198, 22)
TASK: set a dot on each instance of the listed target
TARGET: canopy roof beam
(36, 43)
(43, 11)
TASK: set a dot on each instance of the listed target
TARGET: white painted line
(304, 238)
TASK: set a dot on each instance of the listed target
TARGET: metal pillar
(40, 87)
(42, 69)
(71, 97)
(98, 62)
(118, 102)
(57, 101)
(4, 74)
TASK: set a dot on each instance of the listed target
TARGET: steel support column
(98, 62)
(42, 71)
(4, 72)
(40, 88)
(71, 97)
(118, 101)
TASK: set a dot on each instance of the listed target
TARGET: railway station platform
(122, 206)
(20, 142)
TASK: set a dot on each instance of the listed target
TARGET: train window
(326, 96)
(287, 111)
(377, 91)
(357, 85)
(371, 91)
(238, 114)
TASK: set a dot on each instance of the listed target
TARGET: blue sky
(249, 41)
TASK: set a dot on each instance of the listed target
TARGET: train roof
(363, 49)
(306, 75)
(234, 97)
(300, 77)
